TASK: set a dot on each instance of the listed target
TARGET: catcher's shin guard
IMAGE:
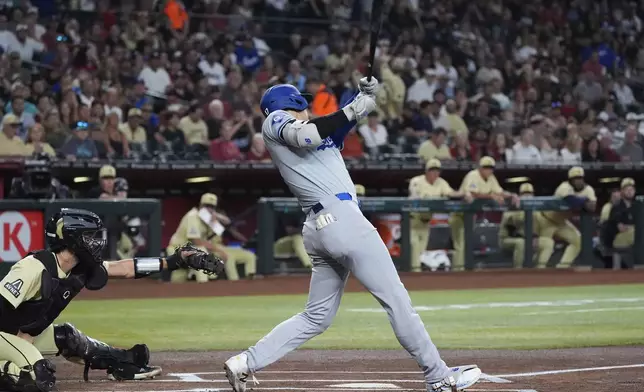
(131, 364)
(45, 380)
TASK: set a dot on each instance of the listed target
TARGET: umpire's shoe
(458, 379)
(237, 372)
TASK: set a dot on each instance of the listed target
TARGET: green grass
(237, 322)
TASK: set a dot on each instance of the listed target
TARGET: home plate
(366, 385)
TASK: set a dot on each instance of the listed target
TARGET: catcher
(41, 285)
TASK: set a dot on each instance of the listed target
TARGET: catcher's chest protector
(35, 316)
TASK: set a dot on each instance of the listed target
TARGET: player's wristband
(145, 266)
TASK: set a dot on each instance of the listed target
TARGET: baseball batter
(338, 238)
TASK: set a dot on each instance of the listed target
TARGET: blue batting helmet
(283, 97)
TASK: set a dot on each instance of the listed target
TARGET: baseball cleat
(237, 372)
(458, 379)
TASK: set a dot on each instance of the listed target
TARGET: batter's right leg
(325, 292)
(22, 367)
(371, 264)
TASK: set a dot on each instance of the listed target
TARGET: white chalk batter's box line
(315, 389)
(183, 377)
(497, 305)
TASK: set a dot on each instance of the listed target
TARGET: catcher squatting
(41, 285)
(337, 236)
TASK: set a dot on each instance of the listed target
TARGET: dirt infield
(591, 369)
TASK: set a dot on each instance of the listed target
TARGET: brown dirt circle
(349, 370)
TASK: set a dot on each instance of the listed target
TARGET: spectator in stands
(155, 77)
(374, 134)
(324, 101)
(223, 149)
(435, 147)
(36, 143)
(423, 89)
(461, 149)
(426, 120)
(499, 149)
(353, 147)
(194, 129)
(588, 90)
(524, 151)
(247, 56)
(23, 44)
(170, 137)
(623, 92)
(451, 120)
(591, 151)
(212, 69)
(216, 118)
(56, 133)
(27, 120)
(257, 151)
(571, 152)
(295, 76)
(631, 150)
(607, 151)
(134, 133)
(116, 143)
(10, 143)
(79, 145)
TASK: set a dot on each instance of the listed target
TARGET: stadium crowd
(547, 81)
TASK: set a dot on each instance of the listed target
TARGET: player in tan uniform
(621, 216)
(512, 234)
(481, 184)
(41, 285)
(192, 228)
(615, 197)
(426, 186)
(557, 223)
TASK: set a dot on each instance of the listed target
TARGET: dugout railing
(268, 208)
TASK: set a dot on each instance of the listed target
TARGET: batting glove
(369, 87)
(360, 107)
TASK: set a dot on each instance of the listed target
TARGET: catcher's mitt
(188, 256)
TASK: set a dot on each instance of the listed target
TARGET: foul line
(549, 372)
(496, 305)
(584, 310)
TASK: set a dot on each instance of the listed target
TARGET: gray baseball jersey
(310, 173)
(340, 240)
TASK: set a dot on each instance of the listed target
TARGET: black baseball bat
(376, 24)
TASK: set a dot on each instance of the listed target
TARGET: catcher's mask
(81, 232)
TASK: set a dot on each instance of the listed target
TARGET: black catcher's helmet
(80, 231)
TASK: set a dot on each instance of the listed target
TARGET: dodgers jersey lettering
(310, 173)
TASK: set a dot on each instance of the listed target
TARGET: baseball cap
(107, 171)
(11, 119)
(487, 162)
(627, 182)
(433, 164)
(208, 199)
(134, 112)
(526, 188)
(576, 172)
